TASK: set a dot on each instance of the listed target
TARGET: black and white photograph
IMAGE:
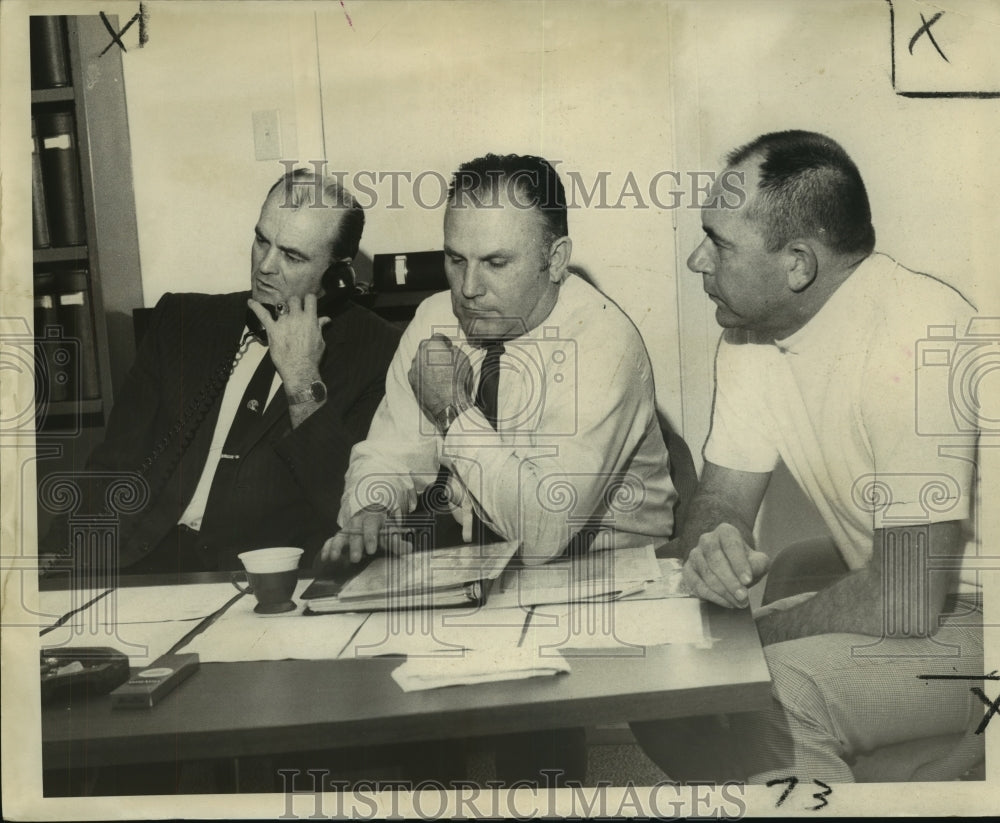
(506, 409)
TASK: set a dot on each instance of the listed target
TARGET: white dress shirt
(243, 371)
(577, 440)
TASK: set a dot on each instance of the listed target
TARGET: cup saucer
(275, 608)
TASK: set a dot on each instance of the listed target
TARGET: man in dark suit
(237, 420)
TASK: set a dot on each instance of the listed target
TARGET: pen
(618, 594)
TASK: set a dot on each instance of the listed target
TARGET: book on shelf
(39, 218)
(61, 178)
(49, 53)
(437, 578)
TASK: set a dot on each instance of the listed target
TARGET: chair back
(683, 473)
(140, 323)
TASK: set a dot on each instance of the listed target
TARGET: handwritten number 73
(793, 782)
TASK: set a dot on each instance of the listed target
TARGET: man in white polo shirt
(821, 367)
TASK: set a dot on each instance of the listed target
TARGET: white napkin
(476, 666)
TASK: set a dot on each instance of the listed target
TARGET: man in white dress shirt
(529, 387)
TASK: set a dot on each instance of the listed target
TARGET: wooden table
(243, 709)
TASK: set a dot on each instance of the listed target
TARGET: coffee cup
(271, 575)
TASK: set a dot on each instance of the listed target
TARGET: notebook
(444, 577)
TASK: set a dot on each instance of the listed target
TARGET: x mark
(117, 38)
(926, 29)
(994, 708)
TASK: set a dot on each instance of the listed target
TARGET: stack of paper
(476, 667)
(624, 627)
(608, 574)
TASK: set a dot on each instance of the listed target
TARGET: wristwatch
(316, 392)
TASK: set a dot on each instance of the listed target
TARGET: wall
(929, 164)
(409, 88)
(191, 91)
(420, 87)
(613, 88)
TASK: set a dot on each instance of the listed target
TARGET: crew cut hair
(528, 182)
(809, 187)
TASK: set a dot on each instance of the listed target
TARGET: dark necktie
(489, 382)
(249, 414)
(486, 402)
(251, 408)
(445, 532)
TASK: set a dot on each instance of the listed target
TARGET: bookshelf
(85, 243)
(87, 280)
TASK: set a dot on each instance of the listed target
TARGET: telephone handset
(255, 327)
(338, 283)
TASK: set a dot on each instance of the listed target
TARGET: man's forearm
(851, 605)
(707, 511)
(897, 594)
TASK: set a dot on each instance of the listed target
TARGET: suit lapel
(208, 335)
(212, 338)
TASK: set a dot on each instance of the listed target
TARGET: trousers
(834, 699)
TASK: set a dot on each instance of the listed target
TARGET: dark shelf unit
(68, 429)
(56, 261)
(110, 253)
(62, 254)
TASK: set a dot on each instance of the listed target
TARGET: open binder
(439, 578)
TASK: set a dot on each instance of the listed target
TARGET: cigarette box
(149, 686)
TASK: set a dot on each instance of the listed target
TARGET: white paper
(153, 604)
(53, 605)
(475, 667)
(242, 634)
(440, 631)
(592, 575)
(620, 625)
(669, 584)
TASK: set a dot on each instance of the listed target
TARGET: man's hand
(722, 566)
(440, 374)
(364, 533)
(295, 340)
